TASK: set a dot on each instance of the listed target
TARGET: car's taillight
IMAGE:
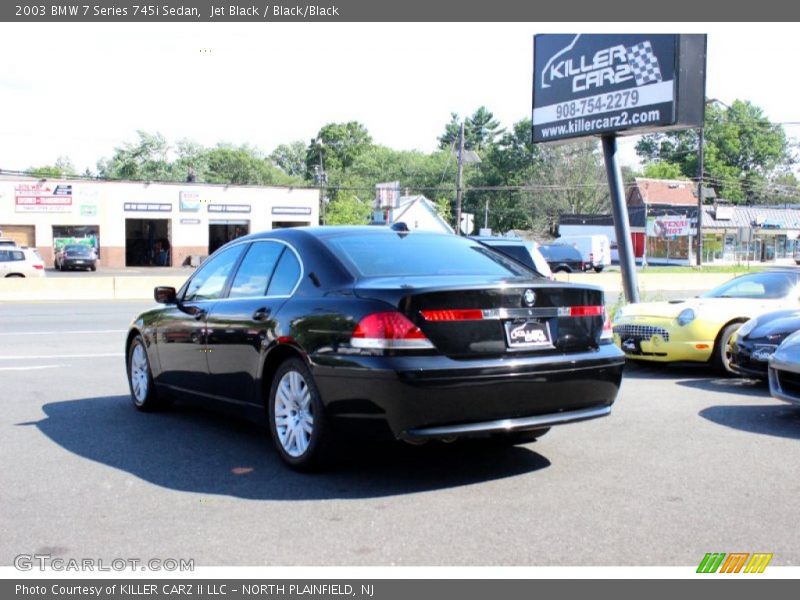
(38, 267)
(581, 311)
(607, 336)
(388, 331)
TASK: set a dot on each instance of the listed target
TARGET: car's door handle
(200, 314)
(262, 314)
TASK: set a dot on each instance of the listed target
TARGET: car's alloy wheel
(296, 417)
(140, 379)
(722, 350)
(294, 414)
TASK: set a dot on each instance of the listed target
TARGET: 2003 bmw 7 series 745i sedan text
(333, 330)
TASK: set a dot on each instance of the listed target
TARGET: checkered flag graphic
(643, 63)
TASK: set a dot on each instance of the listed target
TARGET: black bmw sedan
(331, 331)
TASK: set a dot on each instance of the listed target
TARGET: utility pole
(459, 175)
(700, 158)
(321, 180)
(486, 215)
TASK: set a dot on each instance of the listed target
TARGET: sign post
(622, 225)
(620, 84)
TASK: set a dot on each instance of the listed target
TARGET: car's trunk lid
(474, 316)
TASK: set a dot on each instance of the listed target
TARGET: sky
(80, 89)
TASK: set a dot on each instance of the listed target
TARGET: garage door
(24, 235)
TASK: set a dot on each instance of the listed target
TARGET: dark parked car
(76, 256)
(337, 329)
(563, 258)
(758, 339)
(526, 252)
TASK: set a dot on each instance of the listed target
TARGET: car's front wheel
(297, 420)
(721, 359)
(140, 378)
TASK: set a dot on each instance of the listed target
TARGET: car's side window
(286, 275)
(255, 270)
(5, 256)
(17, 255)
(209, 282)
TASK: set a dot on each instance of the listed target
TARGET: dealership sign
(589, 84)
(42, 197)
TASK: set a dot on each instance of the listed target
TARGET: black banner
(194, 11)
(389, 589)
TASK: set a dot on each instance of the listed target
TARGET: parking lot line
(47, 356)
(33, 368)
(82, 332)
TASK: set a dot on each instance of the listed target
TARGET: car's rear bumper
(74, 263)
(436, 396)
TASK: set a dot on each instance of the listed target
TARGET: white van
(595, 249)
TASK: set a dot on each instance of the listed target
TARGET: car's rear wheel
(297, 420)
(14, 275)
(515, 438)
(562, 269)
(598, 269)
(721, 359)
(140, 378)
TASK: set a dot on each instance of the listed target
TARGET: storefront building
(145, 224)
(663, 218)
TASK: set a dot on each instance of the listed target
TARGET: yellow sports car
(700, 329)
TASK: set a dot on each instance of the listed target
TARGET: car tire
(93, 268)
(140, 379)
(14, 275)
(516, 438)
(598, 269)
(721, 359)
(297, 421)
(562, 269)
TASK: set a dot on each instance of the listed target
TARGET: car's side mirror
(165, 295)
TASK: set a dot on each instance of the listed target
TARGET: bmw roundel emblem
(529, 297)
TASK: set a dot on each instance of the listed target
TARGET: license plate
(78, 262)
(762, 352)
(527, 334)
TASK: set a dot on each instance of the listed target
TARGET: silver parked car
(784, 370)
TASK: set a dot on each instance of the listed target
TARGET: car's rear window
(419, 254)
(557, 252)
(78, 249)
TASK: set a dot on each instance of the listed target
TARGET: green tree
(291, 158)
(481, 129)
(663, 170)
(61, 168)
(339, 144)
(243, 165)
(347, 209)
(144, 160)
(743, 150)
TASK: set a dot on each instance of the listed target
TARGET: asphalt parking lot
(686, 464)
